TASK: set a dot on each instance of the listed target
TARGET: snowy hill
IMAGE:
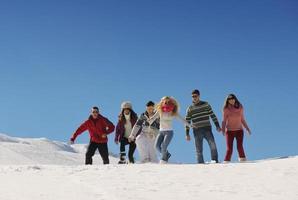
(40, 169)
(20, 151)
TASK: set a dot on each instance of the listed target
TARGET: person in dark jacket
(99, 127)
(127, 120)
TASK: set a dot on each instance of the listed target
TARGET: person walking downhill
(232, 126)
(199, 114)
(99, 127)
(167, 111)
(145, 135)
(127, 120)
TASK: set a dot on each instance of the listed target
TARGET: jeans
(199, 135)
(162, 142)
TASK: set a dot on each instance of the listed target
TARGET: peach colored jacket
(233, 119)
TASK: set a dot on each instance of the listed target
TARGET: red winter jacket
(98, 129)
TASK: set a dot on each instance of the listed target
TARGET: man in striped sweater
(199, 114)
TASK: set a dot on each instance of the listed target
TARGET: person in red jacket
(99, 127)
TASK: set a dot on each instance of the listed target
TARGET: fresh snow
(40, 169)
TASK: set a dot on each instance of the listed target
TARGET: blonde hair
(172, 100)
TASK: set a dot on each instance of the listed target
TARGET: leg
(198, 135)
(239, 138)
(158, 141)
(142, 148)
(131, 151)
(90, 152)
(123, 143)
(211, 141)
(152, 151)
(104, 153)
(229, 140)
(164, 146)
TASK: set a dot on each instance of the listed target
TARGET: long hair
(133, 116)
(172, 101)
(237, 102)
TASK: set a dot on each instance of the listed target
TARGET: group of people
(152, 131)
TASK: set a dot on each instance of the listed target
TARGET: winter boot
(122, 158)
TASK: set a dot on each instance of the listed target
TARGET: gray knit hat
(126, 105)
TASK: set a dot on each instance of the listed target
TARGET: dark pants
(103, 151)
(131, 151)
(199, 135)
(230, 135)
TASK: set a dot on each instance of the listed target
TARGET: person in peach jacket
(232, 126)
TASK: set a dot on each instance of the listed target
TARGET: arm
(109, 126)
(188, 119)
(244, 121)
(183, 120)
(153, 118)
(79, 131)
(224, 122)
(213, 117)
(118, 132)
(137, 127)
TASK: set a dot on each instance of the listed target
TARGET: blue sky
(59, 58)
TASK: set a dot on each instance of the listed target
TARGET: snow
(46, 170)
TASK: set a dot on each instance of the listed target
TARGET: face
(166, 102)
(231, 100)
(150, 110)
(126, 111)
(195, 98)
(94, 113)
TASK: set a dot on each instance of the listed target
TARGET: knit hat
(126, 105)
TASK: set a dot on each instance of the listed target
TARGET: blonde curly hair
(171, 100)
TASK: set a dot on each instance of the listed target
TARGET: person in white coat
(145, 135)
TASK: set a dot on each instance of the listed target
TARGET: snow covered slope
(34, 179)
(18, 151)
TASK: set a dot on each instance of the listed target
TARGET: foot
(163, 162)
(122, 162)
(168, 156)
(213, 161)
(242, 160)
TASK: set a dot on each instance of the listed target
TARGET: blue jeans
(199, 135)
(162, 142)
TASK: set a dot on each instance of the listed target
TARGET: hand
(194, 126)
(218, 129)
(248, 131)
(104, 135)
(71, 141)
(131, 139)
(116, 142)
(188, 138)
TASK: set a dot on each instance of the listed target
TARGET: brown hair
(237, 102)
(133, 115)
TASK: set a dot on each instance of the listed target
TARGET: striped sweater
(199, 114)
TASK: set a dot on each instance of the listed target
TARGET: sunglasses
(195, 96)
(95, 112)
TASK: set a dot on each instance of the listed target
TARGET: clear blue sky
(59, 58)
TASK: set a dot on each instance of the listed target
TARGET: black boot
(122, 158)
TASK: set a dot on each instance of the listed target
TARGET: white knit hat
(126, 105)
